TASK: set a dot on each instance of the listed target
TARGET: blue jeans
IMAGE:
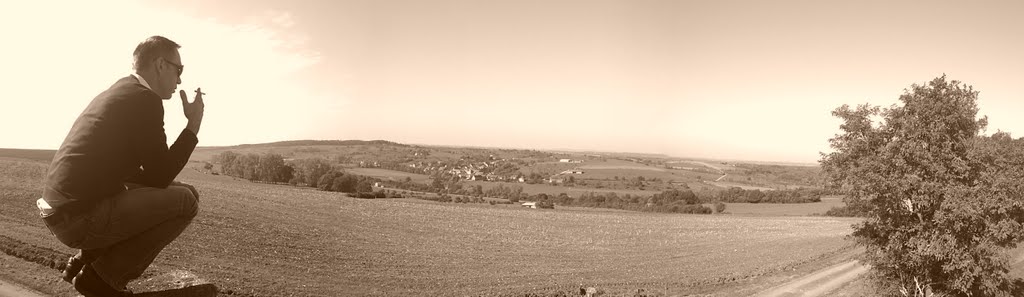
(131, 227)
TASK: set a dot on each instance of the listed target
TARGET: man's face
(168, 75)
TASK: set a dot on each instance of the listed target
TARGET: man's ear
(158, 68)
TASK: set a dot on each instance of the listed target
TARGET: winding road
(821, 282)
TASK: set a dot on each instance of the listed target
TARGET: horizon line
(549, 150)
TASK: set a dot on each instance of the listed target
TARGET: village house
(530, 204)
(573, 171)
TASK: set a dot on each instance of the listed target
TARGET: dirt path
(824, 281)
(820, 282)
(13, 290)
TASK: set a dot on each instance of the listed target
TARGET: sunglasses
(181, 68)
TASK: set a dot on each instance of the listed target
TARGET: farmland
(598, 172)
(281, 240)
(389, 174)
(555, 190)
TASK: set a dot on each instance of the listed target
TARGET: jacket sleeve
(160, 164)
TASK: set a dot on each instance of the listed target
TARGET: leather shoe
(89, 284)
(76, 262)
(72, 269)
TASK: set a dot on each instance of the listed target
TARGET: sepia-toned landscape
(514, 148)
(261, 239)
(335, 245)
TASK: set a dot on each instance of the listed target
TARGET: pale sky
(744, 80)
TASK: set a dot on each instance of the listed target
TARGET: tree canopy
(944, 202)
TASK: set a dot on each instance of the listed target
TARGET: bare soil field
(255, 239)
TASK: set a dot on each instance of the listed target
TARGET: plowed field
(272, 240)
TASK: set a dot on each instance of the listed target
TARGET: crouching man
(110, 189)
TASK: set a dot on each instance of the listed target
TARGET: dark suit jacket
(120, 131)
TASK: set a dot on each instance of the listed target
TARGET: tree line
(668, 201)
(253, 167)
(314, 172)
(799, 195)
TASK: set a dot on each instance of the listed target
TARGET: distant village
(495, 170)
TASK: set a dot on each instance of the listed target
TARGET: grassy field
(390, 174)
(270, 240)
(678, 175)
(619, 164)
(739, 185)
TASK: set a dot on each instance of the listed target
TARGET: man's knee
(190, 200)
(195, 193)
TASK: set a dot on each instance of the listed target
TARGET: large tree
(944, 203)
(310, 171)
(269, 166)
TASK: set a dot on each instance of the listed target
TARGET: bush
(692, 208)
(360, 195)
(800, 195)
(719, 207)
(438, 198)
(679, 207)
(684, 196)
(368, 195)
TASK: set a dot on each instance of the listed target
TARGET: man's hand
(193, 111)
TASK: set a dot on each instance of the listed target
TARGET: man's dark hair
(150, 49)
